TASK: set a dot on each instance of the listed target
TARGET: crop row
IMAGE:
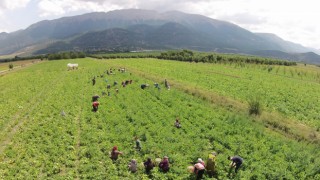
(292, 97)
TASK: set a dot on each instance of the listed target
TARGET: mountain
(135, 29)
(3, 35)
(286, 45)
(309, 57)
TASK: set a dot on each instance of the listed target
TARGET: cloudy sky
(293, 20)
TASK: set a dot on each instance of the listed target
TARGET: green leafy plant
(255, 107)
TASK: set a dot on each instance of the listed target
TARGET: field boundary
(17, 68)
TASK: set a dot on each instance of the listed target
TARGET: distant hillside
(309, 57)
(286, 45)
(136, 29)
(168, 36)
(3, 35)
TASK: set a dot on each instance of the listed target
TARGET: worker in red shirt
(95, 106)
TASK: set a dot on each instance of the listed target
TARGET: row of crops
(279, 92)
(48, 130)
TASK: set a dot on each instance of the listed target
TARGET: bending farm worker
(236, 162)
(149, 165)
(95, 97)
(177, 123)
(133, 167)
(166, 84)
(115, 153)
(95, 106)
(211, 164)
(199, 169)
(138, 144)
(164, 164)
(143, 86)
(94, 81)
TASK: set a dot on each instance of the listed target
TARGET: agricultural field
(48, 130)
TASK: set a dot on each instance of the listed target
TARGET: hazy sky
(293, 20)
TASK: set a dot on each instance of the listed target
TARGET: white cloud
(290, 19)
(7, 6)
(48, 8)
(61, 7)
(13, 4)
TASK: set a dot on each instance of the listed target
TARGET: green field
(211, 100)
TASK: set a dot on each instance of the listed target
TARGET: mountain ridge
(193, 31)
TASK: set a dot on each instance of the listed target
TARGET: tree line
(191, 56)
(53, 56)
(178, 55)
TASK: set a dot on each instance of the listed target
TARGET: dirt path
(4, 72)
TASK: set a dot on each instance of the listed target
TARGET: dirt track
(22, 65)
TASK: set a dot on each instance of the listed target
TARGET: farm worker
(201, 161)
(236, 162)
(190, 169)
(156, 85)
(95, 106)
(211, 164)
(63, 113)
(115, 153)
(143, 86)
(115, 83)
(177, 123)
(166, 84)
(95, 98)
(164, 164)
(133, 167)
(108, 86)
(94, 81)
(109, 93)
(157, 161)
(138, 144)
(199, 168)
(149, 165)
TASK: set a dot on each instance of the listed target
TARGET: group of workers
(95, 103)
(164, 165)
(198, 169)
(148, 164)
(210, 166)
(156, 85)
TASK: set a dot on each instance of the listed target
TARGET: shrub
(10, 66)
(255, 106)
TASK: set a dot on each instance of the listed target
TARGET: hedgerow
(191, 56)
